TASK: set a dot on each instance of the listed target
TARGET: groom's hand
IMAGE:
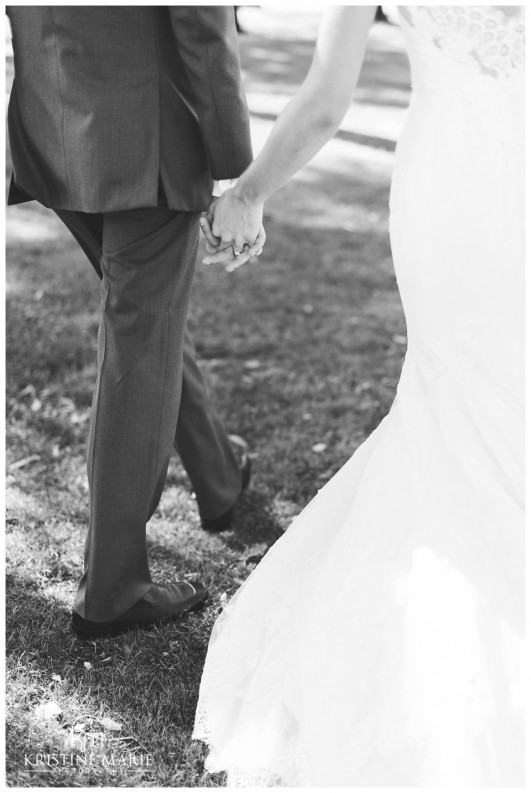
(212, 243)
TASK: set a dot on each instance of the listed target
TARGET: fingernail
(202, 221)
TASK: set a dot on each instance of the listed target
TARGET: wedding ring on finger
(240, 250)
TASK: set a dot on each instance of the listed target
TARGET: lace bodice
(490, 39)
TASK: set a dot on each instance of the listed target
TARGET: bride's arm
(310, 119)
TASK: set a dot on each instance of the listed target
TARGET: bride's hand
(236, 221)
(236, 247)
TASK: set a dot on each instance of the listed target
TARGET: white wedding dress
(380, 640)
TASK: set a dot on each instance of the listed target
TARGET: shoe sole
(111, 631)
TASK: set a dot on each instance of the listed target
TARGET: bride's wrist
(244, 191)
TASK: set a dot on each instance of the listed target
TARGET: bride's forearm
(299, 133)
(309, 120)
(314, 114)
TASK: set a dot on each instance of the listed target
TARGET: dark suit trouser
(149, 395)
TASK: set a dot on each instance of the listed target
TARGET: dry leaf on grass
(110, 724)
(48, 711)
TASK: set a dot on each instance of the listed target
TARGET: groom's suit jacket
(111, 104)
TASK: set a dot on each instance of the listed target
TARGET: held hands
(233, 230)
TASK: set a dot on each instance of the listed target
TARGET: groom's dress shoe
(160, 602)
(224, 521)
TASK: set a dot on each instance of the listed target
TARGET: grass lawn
(303, 349)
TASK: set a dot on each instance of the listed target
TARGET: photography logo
(88, 744)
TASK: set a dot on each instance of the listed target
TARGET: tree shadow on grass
(220, 560)
(254, 522)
